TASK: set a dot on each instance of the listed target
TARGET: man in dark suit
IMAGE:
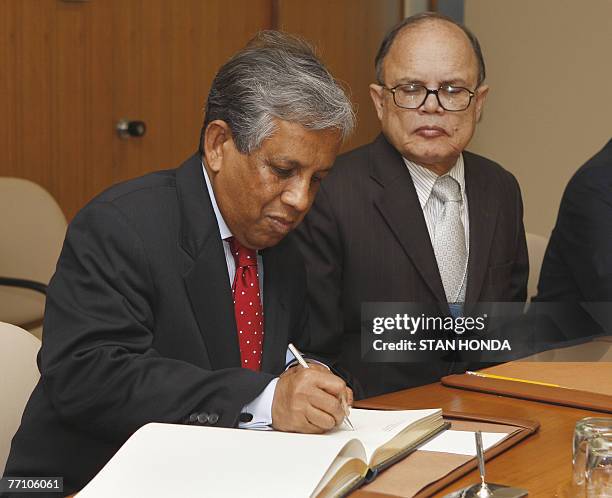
(413, 217)
(175, 295)
(577, 266)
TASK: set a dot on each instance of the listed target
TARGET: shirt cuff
(259, 410)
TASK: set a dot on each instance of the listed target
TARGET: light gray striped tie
(449, 241)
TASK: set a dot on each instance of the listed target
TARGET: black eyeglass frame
(429, 92)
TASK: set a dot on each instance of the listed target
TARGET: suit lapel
(483, 207)
(276, 323)
(399, 205)
(205, 276)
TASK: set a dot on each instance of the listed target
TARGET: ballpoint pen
(302, 362)
(484, 491)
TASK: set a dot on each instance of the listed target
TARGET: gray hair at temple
(385, 46)
(276, 75)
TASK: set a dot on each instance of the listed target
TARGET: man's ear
(217, 136)
(481, 95)
(377, 95)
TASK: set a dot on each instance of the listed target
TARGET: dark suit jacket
(577, 266)
(139, 327)
(365, 239)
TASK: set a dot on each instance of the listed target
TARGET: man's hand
(323, 368)
(309, 400)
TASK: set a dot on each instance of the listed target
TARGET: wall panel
(10, 46)
(71, 70)
(165, 57)
(69, 126)
(347, 34)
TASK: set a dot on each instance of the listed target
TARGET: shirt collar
(424, 178)
(223, 228)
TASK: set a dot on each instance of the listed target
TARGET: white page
(162, 460)
(462, 442)
(376, 427)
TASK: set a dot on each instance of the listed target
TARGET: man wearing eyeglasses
(413, 217)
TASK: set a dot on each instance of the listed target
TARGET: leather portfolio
(550, 377)
(423, 473)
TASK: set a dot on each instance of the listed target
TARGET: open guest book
(161, 460)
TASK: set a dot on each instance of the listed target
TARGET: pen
(513, 379)
(484, 491)
(302, 362)
(479, 455)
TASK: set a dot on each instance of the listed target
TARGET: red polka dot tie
(247, 305)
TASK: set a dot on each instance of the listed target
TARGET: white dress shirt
(261, 406)
(432, 207)
(424, 180)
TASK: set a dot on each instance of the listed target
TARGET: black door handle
(127, 128)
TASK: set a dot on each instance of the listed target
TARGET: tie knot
(242, 255)
(447, 189)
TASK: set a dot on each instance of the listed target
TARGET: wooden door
(166, 54)
(54, 97)
(347, 34)
(70, 70)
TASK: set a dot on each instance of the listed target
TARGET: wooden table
(542, 463)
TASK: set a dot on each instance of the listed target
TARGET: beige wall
(549, 65)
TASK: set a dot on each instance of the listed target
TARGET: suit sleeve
(586, 239)
(520, 269)
(99, 366)
(319, 241)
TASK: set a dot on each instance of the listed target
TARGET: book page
(162, 460)
(462, 442)
(374, 428)
(344, 468)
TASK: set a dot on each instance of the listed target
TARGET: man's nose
(297, 195)
(431, 103)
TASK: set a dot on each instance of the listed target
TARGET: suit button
(193, 417)
(203, 418)
(245, 417)
(213, 418)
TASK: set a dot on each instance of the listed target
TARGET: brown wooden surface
(54, 97)
(530, 391)
(583, 384)
(587, 376)
(166, 55)
(541, 464)
(71, 70)
(347, 34)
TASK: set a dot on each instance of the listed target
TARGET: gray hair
(276, 75)
(416, 19)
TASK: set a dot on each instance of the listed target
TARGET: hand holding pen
(343, 400)
(308, 400)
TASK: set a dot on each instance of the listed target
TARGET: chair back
(18, 377)
(32, 230)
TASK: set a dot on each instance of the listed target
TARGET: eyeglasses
(412, 96)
